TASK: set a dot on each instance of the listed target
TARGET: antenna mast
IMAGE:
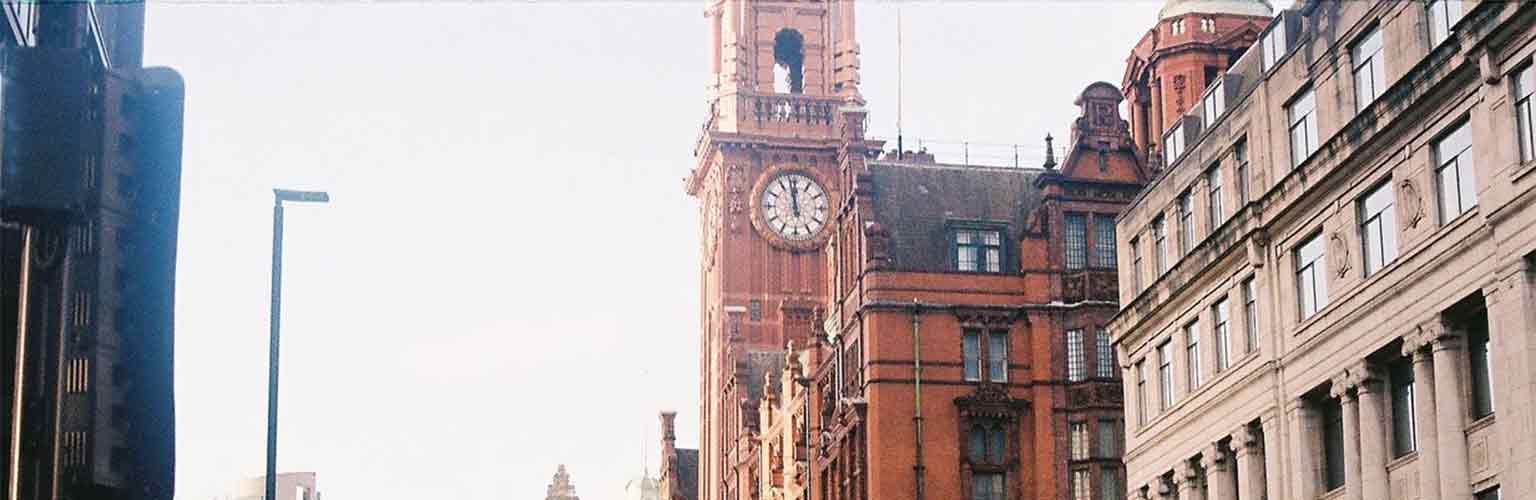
(899, 149)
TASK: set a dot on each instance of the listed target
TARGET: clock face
(794, 206)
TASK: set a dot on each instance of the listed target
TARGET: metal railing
(989, 154)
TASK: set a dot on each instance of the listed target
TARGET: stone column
(1511, 299)
(1249, 454)
(1416, 346)
(1345, 393)
(1373, 433)
(1269, 474)
(1188, 479)
(1450, 412)
(1218, 473)
(1304, 451)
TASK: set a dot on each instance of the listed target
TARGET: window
(1525, 85)
(1403, 439)
(1079, 437)
(1219, 315)
(1240, 157)
(1488, 494)
(1160, 244)
(1109, 440)
(978, 250)
(1186, 222)
(1109, 484)
(1482, 377)
(1443, 14)
(987, 486)
(1370, 77)
(996, 354)
(1104, 241)
(987, 447)
(1303, 126)
(1250, 317)
(1311, 285)
(1077, 241)
(1207, 25)
(1177, 27)
(1214, 103)
(1105, 354)
(1136, 262)
(1141, 392)
(1077, 366)
(1165, 373)
(971, 348)
(1192, 353)
(1213, 197)
(1080, 485)
(1458, 187)
(788, 62)
(1378, 229)
(1333, 445)
(1275, 45)
(1173, 145)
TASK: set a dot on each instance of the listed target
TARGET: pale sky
(507, 278)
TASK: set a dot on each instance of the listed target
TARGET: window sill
(1482, 423)
(1401, 461)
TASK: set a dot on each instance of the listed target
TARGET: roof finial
(1050, 153)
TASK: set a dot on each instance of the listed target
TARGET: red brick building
(880, 325)
(1177, 63)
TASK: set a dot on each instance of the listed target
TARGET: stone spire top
(560, 488)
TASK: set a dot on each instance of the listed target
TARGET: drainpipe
(917, 399)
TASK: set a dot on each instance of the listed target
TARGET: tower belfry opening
(788, 62)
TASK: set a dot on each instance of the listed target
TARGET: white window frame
(1214, 104)
(1455, 172)
(1524, 81)
(1368, 68)
(1442, 18)
(1165, 374)
(1192, 354)
(1378, 227)
(1301, 119)
(1221, 317)
(1173, 145)
(1311, 279)
(1274, 44)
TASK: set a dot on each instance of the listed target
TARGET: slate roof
(917, 202)
(754, 364)
(688, 473)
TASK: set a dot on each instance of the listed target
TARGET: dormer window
(1214, 104)
(1173, 145)
(978, 250)
(1274, 44)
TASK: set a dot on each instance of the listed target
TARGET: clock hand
(794, 198)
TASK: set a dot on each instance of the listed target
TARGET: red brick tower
(1193, 43)
(783, 99)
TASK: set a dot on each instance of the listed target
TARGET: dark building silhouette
(90, 161)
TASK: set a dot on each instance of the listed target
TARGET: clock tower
(784, 116)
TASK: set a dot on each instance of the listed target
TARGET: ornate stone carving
(877, 241)
(985, 318)
(1338, 254)
(1413, 202)
(991, 401)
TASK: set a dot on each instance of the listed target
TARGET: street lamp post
(278, 197)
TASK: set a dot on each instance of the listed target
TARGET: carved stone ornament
(1338, 254)
(985, 318)
(991, 401)
(45, 249)
(1413, 202)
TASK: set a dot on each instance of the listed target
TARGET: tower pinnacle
(560, 488)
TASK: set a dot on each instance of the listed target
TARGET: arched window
(788, 62)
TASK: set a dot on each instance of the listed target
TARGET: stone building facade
(876, 324)
(1331, 291)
